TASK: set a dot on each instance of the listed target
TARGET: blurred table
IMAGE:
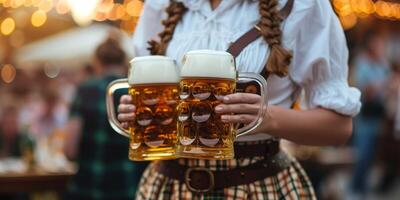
(34, 181)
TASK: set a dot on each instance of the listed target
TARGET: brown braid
(175, 11)
(279, 58)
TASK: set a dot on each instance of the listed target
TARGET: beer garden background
(49, 43)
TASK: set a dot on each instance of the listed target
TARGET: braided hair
(175, 11)
(279, 58)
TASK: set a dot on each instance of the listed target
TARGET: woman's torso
(204, 28)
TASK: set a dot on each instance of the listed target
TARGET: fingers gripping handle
(112, 119)
(263, 92)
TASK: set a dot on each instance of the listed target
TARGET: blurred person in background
(10, 137)
(53, 114)
(390, 142)
(371, 71)
(102, 155)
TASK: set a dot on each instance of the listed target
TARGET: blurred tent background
(47, 45)
(63, 48)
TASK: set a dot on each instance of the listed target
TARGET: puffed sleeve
(320, 62)
(149, 25)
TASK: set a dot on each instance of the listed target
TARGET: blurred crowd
(36, 108)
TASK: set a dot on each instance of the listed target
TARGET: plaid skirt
(291, 183)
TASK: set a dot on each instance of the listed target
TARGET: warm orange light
(119, 10)
(366, 6)
(28, 3)
(397, 14)
(46, 5)
(8, 73)
(382, 9)
(129, 26)
(134, 7)
(7, 3)
(17, 3)
(393, 10)
(348, 21)
(62, 7)
(105, 6)
(36, 3)
(38, 18)
(112, 15)
(7, 26)
(354, 6)
(99, 16)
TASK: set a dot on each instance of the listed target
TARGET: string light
(8, 73)
(38, 18)
(134, 8)
(7, 26)
(7, 3)
(62, 7)
(364, 8)
(46, 5)
(28, 3)
(17, 3)
(348, 21)
(83, 11)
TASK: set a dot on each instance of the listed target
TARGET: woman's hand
(126, 111)
(244, 106)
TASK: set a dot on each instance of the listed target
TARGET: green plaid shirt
(104, 169)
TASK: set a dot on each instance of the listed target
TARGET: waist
(257, 161)
(254, 137)
(246, 153)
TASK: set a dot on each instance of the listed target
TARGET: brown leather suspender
(250, 36)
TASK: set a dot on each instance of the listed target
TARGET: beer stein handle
(112, 119)
(263, 93)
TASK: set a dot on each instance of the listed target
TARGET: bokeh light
(28, 3)
(348, 21)
(8, 73)
(51, 71)
(17, 3)
(46, 5)
(62, 7)
(83, 11)
(7, 26)
(38, 18)
(134, 8)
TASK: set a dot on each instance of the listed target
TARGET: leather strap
(257, 150)
(203, 180)
(237, 47)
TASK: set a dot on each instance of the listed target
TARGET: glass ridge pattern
(153, 134)
(201, 133)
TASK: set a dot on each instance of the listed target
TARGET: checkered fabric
(105, 172)
(291, 183)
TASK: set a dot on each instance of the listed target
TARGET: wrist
(271, 124)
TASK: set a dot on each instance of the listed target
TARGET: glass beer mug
(153, 84)
(206, 77)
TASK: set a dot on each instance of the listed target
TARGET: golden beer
(206, 77)
(153, 134)
(153, 83)
(201, 130)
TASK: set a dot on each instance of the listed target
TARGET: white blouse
(312, 32)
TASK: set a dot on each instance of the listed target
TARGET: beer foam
(153, 69)
(208, 63)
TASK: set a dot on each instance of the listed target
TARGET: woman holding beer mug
(295, 44)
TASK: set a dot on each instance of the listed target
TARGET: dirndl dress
(291, 183)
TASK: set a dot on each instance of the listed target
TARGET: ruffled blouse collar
(197, 4)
